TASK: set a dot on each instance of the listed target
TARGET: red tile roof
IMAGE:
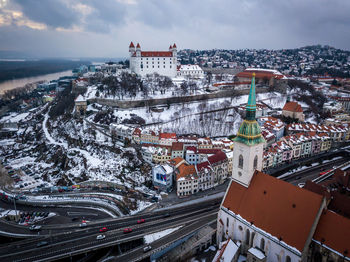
(259, 74)
(333, 230)
(177, 146)
(203, 165)
(293, 107)
(138, 45)
(218, 157)
(174, 46)
(186, 171)
(167, 135)
(131, 44)
(155, 54)
(277, 207)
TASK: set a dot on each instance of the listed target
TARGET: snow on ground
(14, 117)
(141, 205)
(155, 236)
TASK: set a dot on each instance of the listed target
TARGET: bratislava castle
(148, 62)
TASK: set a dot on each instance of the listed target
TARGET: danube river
(11, 84)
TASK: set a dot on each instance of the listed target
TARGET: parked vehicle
(83, 225)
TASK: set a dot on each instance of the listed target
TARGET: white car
(99, 237)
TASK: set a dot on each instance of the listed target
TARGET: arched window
(240, 161)
(288, 259)
(262, 244)
(227, 222)
(252, 239)
(255, 162)
(247, 234)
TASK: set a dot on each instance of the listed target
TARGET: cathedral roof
(249, 132)
(333, 231)
(292, 107)
(281, 209)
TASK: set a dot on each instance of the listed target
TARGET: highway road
(313, 172)
(84, 240)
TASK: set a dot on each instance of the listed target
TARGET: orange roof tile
(293, 107)
(155, 54)
(277, 207)
(333, 230)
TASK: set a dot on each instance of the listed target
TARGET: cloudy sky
(104, 28)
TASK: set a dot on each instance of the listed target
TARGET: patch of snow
(155, 236)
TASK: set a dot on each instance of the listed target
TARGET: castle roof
(131, 45)
(155, 54)
(138, 45)
(283, 210)
(174, 46)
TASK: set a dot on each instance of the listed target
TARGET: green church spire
(251, 106)
(249, 132)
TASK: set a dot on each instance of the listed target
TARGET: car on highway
(140, 221)
(42, 243)
(104, 229)
(166, 215)
(99, 237)
(147, 248)
(83, 225)
(34, 228)
(325, 172)
(127, 230)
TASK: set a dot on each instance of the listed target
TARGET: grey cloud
(54, 13)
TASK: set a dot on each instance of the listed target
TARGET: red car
(104, 229)
(127, 230)
(140, 221)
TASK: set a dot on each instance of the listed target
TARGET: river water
(11, 84)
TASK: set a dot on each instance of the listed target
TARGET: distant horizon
(31, 57)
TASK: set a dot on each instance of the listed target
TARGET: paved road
(304, 175)
(84, 240)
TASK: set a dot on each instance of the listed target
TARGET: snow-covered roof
(256, 252)
(80, 98)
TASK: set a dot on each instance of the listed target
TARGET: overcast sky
(104, 28)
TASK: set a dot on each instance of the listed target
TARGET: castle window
(240, 161)
(255, 162)
(170, 66)
(164, 66)
(152, 66)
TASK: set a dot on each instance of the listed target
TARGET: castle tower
(138, 50)
(248, 144)
(131, 48)
(174, 50)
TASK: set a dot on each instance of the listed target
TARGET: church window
(227, 222)
(247, 234)
(255, 162)
(288, 259)
(240, 161)
(262, 244)
(240, 228)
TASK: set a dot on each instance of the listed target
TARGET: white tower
(248, 145)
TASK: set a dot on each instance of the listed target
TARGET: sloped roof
(277, 207)
(167, 135)
(333, 231)
(219, 156)
(292, 107)
(155, 54)
(177, 146)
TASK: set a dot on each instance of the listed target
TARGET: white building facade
(149, 62)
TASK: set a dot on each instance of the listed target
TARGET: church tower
(248, 144)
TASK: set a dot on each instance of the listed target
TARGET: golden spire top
(253, 74)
